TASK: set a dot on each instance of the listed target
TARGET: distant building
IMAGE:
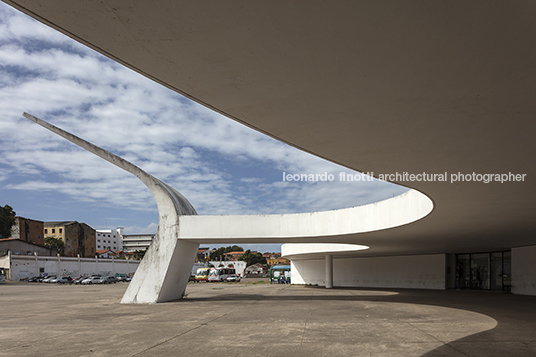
(109, 239)
(133, 242)
(78, 238)
(21, 247)
(232, 256)
(271, 255)
(203, 255)
(256, 269)
(28, 230)
(105, 253)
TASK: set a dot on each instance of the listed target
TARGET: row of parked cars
(94, 279)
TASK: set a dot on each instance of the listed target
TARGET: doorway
(484, 271)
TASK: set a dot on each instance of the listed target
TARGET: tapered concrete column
(329, 271)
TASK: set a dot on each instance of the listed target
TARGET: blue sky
(222, 167)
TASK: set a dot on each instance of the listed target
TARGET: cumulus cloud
(221, 166)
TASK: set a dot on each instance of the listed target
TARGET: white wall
(415, 271)
(524, 270)
(28, 266)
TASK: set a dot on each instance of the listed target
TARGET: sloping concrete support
(164, 271)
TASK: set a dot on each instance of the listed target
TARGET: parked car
(121, 277)
(91, 280)
(63, 280)
(107, 280)
(34, 279)
(233, 278)
(49, 278)
(79, 279)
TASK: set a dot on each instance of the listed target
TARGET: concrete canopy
(379, 87)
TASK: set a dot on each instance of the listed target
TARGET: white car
(91, 280)
(233, 277)
(49, 279)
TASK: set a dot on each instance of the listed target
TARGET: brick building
(28, 230)
(78, 238)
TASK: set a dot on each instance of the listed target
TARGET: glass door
(463, 272)
(496, 273)
(484, 271)
(480, 271)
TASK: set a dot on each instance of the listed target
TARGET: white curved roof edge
(306, 250)
(307, 227)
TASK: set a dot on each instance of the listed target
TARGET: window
(60, 230)
(46, 231)
(53, 230)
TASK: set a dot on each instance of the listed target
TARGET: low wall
(415, 272)
(24, 266)
(524, 270)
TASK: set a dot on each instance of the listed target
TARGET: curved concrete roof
(379, 87)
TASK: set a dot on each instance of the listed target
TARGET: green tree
(215, 255)
(139, 254)
(251, 258)
(56, 244)
(7, 220)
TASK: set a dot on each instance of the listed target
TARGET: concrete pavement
(264, 320)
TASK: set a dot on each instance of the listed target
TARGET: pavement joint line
(447, 344)
(182, 333)
(307, 318)
(195, 328)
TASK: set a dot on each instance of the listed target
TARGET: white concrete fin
(164, 271)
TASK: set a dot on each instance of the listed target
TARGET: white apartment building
(134, 242)
(109, 239)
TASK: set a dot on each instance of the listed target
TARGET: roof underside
(379, 87)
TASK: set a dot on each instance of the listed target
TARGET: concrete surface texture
(265, 320)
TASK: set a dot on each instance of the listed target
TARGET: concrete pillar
(36, 267)
(163, 273)
(329, 271)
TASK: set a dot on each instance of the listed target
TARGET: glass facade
(484, 271)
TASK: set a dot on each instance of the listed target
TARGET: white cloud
(221, 166)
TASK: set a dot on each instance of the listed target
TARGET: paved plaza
(246, 319)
